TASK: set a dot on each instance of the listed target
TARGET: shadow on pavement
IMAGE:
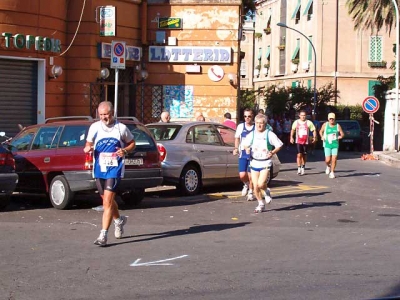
(179, 232)
(308, 205)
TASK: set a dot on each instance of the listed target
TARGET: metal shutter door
(18, 94)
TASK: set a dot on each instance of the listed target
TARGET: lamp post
(396, 120)
(315, 64)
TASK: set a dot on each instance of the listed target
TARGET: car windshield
(346, 126)
(141, 136)
(164, 131)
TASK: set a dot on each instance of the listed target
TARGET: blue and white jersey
(241, 132)
(106, 141)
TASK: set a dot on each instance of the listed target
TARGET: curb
(389, 159)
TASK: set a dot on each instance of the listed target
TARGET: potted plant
(377, 64)
(281, 47)
(265, 69)
(257, 70)
(295, 61)
(258, 35)
(267, 30)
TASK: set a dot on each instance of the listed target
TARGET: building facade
(350, 60)
(55, 58)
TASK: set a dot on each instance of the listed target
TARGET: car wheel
(190, 181)
(61, 196)
(270, 174)
(134, 197)
(4, 201)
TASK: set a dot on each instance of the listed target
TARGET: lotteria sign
(38, 43)
(195, 54)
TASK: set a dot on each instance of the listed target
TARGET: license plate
(347, 141)
(133, 162)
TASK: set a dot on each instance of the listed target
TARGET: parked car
(50, 159)
(8, 177)
(352, 139)
(194, 154)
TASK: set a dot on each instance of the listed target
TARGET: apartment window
(268, 53)
(243, 68)
(296, 52)
(296, 12)
(310, 49)
(259, 53)
(309, 10)
(375, 48)
(295, 84)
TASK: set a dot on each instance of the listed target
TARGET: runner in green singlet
(331, 133)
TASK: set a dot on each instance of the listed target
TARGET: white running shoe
(250, 197)
(328, 170)
(302, 171)
(267, 196)
(331, 175)
(101, 240)
(119, 226)
(245, 189)
(260, 208)
(298, 171)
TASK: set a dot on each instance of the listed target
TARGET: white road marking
(157, 262)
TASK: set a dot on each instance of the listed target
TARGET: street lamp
(396, 120)
(315, 64)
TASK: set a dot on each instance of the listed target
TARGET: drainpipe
(143, 17)
(336, 50)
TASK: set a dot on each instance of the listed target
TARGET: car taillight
(7, 159)
(89, 160)
(162, 151)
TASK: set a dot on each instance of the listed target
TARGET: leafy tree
(248, 99)
(372, 14)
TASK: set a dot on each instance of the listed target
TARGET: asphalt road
(320, 239)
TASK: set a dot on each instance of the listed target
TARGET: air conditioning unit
(306, 66)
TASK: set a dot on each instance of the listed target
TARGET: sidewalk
(390, 158)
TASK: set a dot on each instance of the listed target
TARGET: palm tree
(372, 14)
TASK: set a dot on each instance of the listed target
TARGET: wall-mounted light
(55, 71)
(143, 74)
(104, 73)
(232, 79)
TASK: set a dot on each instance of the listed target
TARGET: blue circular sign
(370, 105)
(118, 49)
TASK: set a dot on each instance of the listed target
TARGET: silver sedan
(194, 154)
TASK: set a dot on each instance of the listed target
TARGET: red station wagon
(50, 159)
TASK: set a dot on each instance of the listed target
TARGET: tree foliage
(372, 14)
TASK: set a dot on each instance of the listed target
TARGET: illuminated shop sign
(169, 23)
(197, 54)
(38, 43)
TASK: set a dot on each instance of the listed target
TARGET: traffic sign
(370, 105)
(118, 50)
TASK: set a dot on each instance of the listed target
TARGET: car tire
(132, 198)
(190, 181)
(4, 201)
(270, 175)
(60, 194)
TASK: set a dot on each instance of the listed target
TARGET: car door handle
(46, 159)
(200, 150)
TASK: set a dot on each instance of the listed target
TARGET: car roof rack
(55, 119)
(128, 118)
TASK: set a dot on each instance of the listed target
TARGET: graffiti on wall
(178, 100)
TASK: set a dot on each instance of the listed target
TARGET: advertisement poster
(178, 100)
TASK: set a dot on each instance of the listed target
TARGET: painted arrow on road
(162, 262)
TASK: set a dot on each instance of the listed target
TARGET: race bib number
(332, 137)
(259, 154)
(108, 160)
(302, 131)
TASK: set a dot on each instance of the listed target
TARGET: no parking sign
(118, 55)
(370, 105)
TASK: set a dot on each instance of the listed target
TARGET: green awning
(268, 53)
(259, 53)
(308, 7)
(296, 9)
(296, 52)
